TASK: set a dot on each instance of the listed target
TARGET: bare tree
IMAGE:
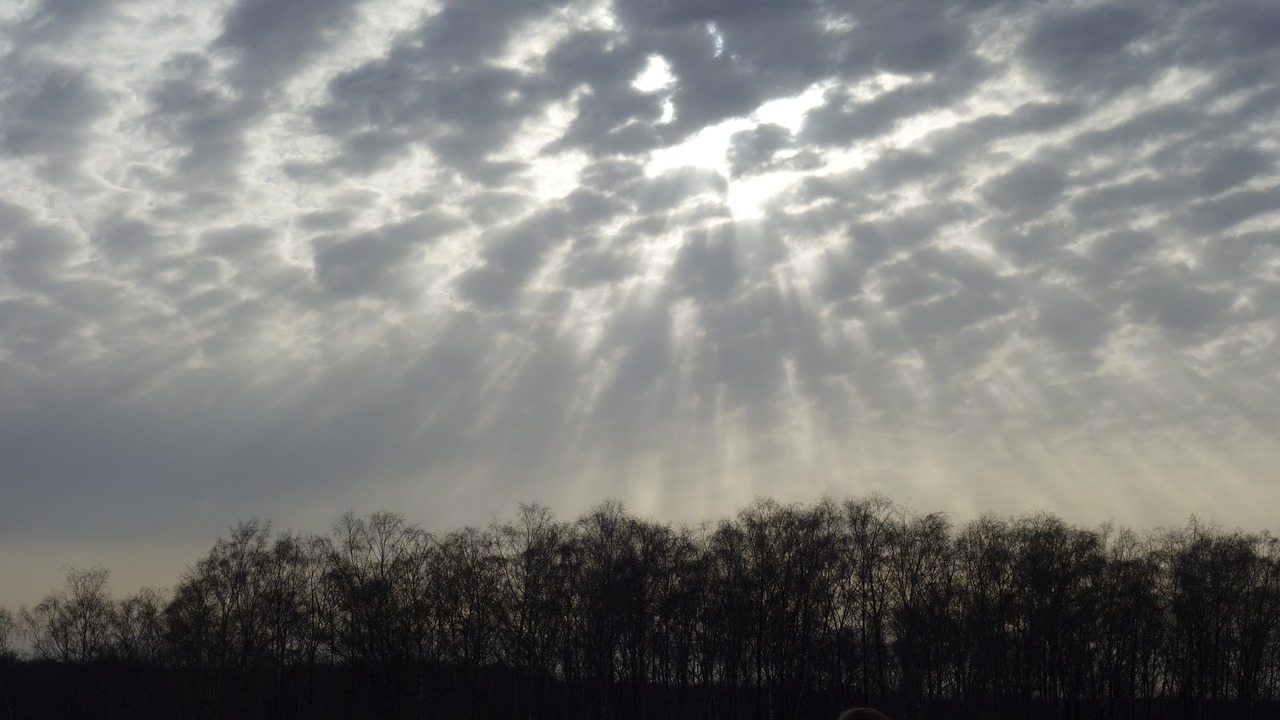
(8, 655)
(778, 612)
(872, 524)
(921, 571)
(137, 627)
(74, 625)
(379, 613)
(8, 635)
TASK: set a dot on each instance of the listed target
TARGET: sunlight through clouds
(449, 257)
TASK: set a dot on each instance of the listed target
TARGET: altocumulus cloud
(287, 259)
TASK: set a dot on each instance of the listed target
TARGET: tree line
(784, 611)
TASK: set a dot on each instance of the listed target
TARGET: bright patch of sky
(655, 76)
(709, 147)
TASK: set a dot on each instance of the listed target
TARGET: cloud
(1029, 187)
(273, 37)
(289, 259)
(509, 258)
(49, 116)
(1087, 47)
(752, 151)
(1178, 307)
(377, 261)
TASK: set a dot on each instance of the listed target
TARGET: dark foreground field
(48, 691)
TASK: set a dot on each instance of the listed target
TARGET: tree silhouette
(782, 611)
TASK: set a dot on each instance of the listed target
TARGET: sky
(290, 258)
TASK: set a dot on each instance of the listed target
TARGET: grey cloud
(35, 256)
(706, 266)
(591, 263)
(493, 207)
(612, 116)
(131, 241)
(1097, 268)
(613, 121)
(236, 243)
(903, 284)
(49, 110)
(191, 110)
(435, 87)
(711, 87)
(671, 13)
(274, 36)
(1240, 30)
(609, 175)
(55, 20)
(962, 265)
(510, 257)
(637, 356)
(1106, 202)
(1174, 180)
(942, 158)
(946, 315)
(1145, 127)
(740, 352)
(871, 243)
(957, 290)
(715, 263)
(1028, 188)
(12, 216)
(750, 367)
(887, 173)
(463, 116)
(1086, 47)
(839, 278)
(744, 55)
(674, 187)
(1231, 209)
(1073, 323)
(752, 151)
(1229, 167)
(207, 113)
(787, 50)
(336, 219)
(957, 143)
(842, 118)
(1179, 307)
(1240, 255)
(907, 39)
(645, 334)
(201, 304)
(587, 208)
(374, 262)
(1120, 249)
(38, 337)
(363, 153)
(727, 59)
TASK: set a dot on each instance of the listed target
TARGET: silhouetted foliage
(782, 611)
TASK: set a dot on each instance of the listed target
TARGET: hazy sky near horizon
(290, 258)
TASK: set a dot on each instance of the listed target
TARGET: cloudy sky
(289, 258)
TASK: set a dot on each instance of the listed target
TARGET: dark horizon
(792, 611)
